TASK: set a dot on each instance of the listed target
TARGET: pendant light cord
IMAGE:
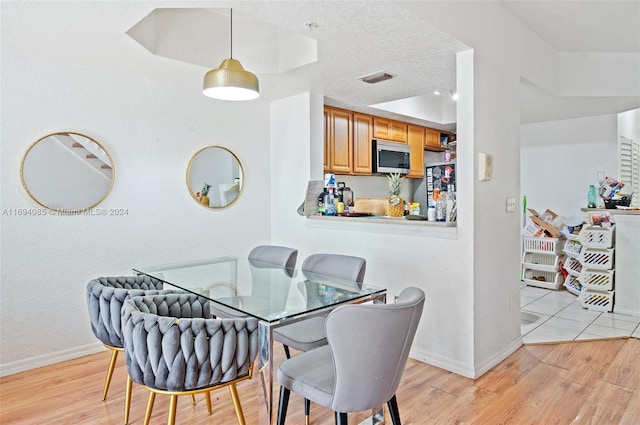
(231, 33)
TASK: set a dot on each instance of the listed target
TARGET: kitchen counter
(611, 211)
(381, 219)
(388, 225)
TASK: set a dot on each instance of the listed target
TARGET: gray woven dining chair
(346, 375)
(262, 256)
(174, 346)
(310, 333)
(105, 297)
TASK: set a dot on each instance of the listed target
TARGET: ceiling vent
(376, 78)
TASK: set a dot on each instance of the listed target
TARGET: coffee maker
(345, 194)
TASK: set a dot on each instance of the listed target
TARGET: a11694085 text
(24, 212)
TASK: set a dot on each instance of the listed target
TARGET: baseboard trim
(23, 365)
(629, 311)
(497, 358)
(459, 368)
(442, 362)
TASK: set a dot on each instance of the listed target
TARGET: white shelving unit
(572, 249)
(597, 268)
(542, 260)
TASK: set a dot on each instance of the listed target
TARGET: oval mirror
(67, 172)
(215, 177)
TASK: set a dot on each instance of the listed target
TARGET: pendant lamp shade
(230, 81)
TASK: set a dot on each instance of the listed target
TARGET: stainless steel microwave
(390, 157)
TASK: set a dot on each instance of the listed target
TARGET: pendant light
(230, 81)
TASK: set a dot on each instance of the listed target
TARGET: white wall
(488, 121)
(560, 159)
(394, 261)
(151, 127)
(629, 124)
(291, 134)
(153, 123)
(468, 298)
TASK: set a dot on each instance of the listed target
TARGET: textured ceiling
(353, 38)
(348, 40)
(357, 38)
(582, 26)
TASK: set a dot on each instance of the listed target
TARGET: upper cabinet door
(384, 128)
(433, 138)
(398, 131)
(362, 135)
(416, 139)
(381, 128)
(340, 140)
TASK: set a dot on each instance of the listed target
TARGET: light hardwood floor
(596, 382)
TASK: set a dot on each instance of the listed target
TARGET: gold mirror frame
(226, 183)
(68, 141)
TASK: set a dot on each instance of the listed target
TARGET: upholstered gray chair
(262, 256)
(173, 346)
(276, 255)
(309, 334)
(347, 375)
(105, 296)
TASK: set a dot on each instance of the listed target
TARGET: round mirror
(67, 172)
(215, 177)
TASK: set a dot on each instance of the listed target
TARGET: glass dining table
(276, 296)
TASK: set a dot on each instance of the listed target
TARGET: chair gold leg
(173, 405)
(207, 398)
(147, 413)
(112, 365)
(236, 403)
(193, 398)
(127, 400)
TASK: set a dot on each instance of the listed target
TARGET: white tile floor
(552, 316)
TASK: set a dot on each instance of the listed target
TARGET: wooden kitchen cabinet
(387, 129)
(348, 135)
(416, 140)
(398, 131)
(433, 138)
(362, 135)
(338, 140)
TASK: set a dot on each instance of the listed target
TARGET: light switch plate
(485, 166)
(511, 205)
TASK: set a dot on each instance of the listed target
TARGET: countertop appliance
(390, 157)
(345, 194)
